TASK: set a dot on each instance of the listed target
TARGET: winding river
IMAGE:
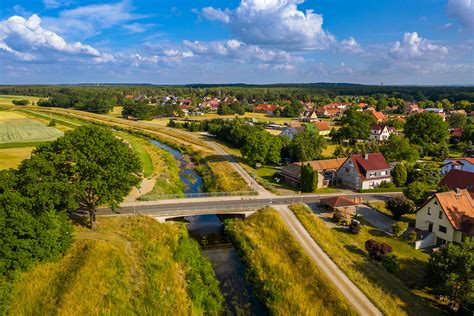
(208, 231)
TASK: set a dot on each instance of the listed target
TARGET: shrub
(399, 228)
(411, 236)
(391, 263)
(400, 175)
(377, 250)
(354, 227)
(386, 185)
(400, 206)
(417, 192)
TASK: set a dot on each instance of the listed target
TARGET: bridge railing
(201, 195)
(221, 209)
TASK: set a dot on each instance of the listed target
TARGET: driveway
(376, 219)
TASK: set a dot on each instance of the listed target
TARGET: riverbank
(128, 265)
(284, 277)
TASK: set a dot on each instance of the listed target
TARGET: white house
(380, 132)
(366, 171)
(446, 217)
(463, 163)
(290, 132)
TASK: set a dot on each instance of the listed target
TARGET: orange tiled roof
(322, 126)
(456, 206)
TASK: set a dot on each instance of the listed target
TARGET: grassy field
(11, 157)
(399, 294)
(284, 277)
(16, 128)
(7, 99)
(129, 265)
(381, 206)
(217, 173)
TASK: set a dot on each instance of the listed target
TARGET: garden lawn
(398, 294)
(381, 206)
(286, 280)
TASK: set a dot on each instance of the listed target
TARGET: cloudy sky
(251, 41)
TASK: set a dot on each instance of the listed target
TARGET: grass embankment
(381, 206)
(6, 100)
(217, 173)
(284, 277)
(129, 265)
(398, 294)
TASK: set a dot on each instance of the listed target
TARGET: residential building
(326, 169)
(291, 132)
(380, 132)
(309, 116)
(445, 217)
(265, 108)
(458, 179)
(379, 116)
(364, 171)
(439, 112)
(323, 127)
(463, 163)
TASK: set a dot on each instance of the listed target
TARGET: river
(208, 231)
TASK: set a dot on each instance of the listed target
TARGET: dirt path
(145, 187)
(353, 294)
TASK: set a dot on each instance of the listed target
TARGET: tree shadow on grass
(355, 250)
(79, 217)
(377, 233)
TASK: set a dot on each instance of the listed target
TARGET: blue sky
(251, 41)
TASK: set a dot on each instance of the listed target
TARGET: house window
(372, 174)
(383, 173)
(440, 215)
(429, 210)
(442, 229)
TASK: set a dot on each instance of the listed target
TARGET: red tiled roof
(378, 115)
(457, 132)
(374, 161)
(265, 107)
(338, 201)
(457, 206)
(322, 126)
(458, 179)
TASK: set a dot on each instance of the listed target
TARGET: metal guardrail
(183, 210)
(202, 195)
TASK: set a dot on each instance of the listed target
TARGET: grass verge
(129, 265)
(284, 277)
(398, 294)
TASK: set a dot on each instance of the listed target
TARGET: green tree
(261, 147)
(307, 145)
(457, 120)
(100, 169)
(308, 178)
(400, 206)
(293, 109)
(398, 148)
(400, 175)
(450, 272)
(399, 228)
(426, 130)
(417, 192)
(356, 125)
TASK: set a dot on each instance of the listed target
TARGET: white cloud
(343, 69)
(137, 27)
(28, 40)
(416, 47)
(241, 52)
(215, 14)
(462, 11)
(274, 23)
(350, 45)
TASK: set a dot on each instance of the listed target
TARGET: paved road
(353, 294)
(193, 204)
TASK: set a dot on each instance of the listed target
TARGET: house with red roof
(340, 207)
(458, 179)
(379, 116)
(364, 171)
(463, 163)
(446, 217)
(265, 108)
(323, 127)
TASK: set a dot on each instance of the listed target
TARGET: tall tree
(100, 168)
(308, 178)
(398, 148)
(356, 125)
(450, 272)
(400, 174)
(427, 130)
(307, 145)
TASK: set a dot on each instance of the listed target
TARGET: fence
(197, 210)
(201, 195)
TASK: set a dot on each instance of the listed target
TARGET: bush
(400, 206)
(386, 185)
(377, 250)
(354, 227)
(391, 263)
(399, 228)
(417, 192)
(411, 236)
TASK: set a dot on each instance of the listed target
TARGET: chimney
(458, 192)
(366, 156)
